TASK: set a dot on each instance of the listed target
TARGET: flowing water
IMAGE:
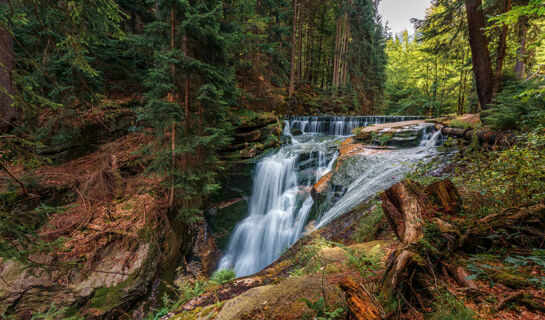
(280, 203)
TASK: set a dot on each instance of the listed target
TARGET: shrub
(518, 105)
(223, 276)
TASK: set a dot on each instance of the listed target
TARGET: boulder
(404, 133)
(120, 277)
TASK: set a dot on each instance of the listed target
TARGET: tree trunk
(480, 56)
(172, 99)
(336, 57)
(8, 114)
(502, 48)
(291, 88)
(521, 50)
(299, 73)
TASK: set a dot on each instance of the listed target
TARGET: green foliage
(189, 291)
(518, 105)
(18, 232)
(370, 224)
(223, 276)
(425, 77)
(448, 307)
(530, 10)
(498, 179)
(367, 263)
(54, 313)
(321, 310)
(308, 259)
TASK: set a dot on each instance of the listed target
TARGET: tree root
(409, 208)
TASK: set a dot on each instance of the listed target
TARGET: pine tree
(190, 88)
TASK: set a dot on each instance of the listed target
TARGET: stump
(361, 304)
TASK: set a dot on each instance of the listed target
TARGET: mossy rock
(223, 220)
(515, 280)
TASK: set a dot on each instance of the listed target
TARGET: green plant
(448, 307)
(223, 276)
(367, 263)
(370, 224)
(515, 103)
(309, 258)
(189, 291)
(321, 310)
(54, 313)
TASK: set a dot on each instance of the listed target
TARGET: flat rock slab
(365, 132)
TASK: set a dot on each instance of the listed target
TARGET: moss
(109, 298)
(514, 280)
(200, 313)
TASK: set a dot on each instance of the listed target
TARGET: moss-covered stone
(222, 220)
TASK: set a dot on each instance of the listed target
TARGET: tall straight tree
(502, 49)
(482, 66)
(7, 63)
(291, 88)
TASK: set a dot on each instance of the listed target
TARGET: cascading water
(280, 202)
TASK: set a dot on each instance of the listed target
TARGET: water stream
(280, 202)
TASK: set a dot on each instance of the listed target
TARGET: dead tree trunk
(361, 304)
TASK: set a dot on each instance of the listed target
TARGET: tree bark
(484, 136)
(299, 73)
(336, 57)
(172, 99)
(521, 50)
(480, 56)
(8, 114)
(360, 303)
(291, 88)
(502, 49)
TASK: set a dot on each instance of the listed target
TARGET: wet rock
(223, 217)
(405, 133)
(296, 132)
(250, 136)
(205, 254)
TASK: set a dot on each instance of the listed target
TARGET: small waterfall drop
(280, 202)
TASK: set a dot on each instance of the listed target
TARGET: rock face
(255, 134)
(204, 253)
(120, 277)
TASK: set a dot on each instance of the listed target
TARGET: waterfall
(382, 171)
(339, 126)
(280, 202)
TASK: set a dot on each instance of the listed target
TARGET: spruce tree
(190, 89)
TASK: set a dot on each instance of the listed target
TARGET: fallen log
(361, 304)
(485, 136)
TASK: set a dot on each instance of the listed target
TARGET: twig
(14, 178)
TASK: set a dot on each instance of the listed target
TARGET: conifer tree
(190, 88)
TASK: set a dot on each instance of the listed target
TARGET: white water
(280, 203)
